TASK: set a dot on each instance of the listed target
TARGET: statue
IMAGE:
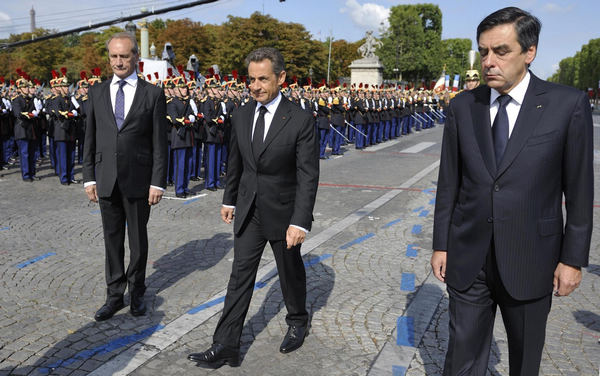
(367, 50)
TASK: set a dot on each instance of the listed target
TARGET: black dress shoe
(181, 195)
(138, 306)
(64, 183)
(216, 356)
(107, 311)
(35, 178)
(212, 189)
(294, 338)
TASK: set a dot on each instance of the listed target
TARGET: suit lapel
(138, 98)
(108, 103)
(480, 114)
(280, 119)
(531, 110)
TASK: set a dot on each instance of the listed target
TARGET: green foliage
(582, 70)
(413, 42)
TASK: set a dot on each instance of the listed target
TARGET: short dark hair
(125, 35)
(270, 53)
(527, 26)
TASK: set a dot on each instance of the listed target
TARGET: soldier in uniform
(323, 113)
(182, 119)
(80, 101)
(24, 131)
(214, 128)
(64, 114)
(472, 79)
(338, 116)
(6, 130)
(197, 98)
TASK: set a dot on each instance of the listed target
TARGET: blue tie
(500, 128)
(120, 105)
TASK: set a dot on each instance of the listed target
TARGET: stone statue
(367, 50)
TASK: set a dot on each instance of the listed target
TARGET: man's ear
(531, 53)
(281, 78)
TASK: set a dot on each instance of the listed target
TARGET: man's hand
(154, 196)
(294, 236)
(90, 190)
(438, 264)
(566, 279)
(227, 214)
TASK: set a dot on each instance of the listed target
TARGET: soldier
(80, 101)
(213, 125)
(323, 113)
(338, 116)
(6, 130)
(472, 79)
(168, 88)
(182, 119)
(24, 131)
(197, 98)
(64, 114)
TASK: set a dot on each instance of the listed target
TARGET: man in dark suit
(272, 179)
(125, 169)
(511, 150)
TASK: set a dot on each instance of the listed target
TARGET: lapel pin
(539, 106)
(283, 118)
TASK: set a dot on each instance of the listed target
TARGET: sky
(566, 24)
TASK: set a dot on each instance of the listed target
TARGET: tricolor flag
(455, 83)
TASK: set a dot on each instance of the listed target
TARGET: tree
(413, 42)
(455, 56)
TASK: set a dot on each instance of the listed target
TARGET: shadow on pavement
(594, 269)
(588, 319)
(320, 280)
(88, 347)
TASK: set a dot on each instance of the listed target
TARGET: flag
(455, 83)
(439, 85)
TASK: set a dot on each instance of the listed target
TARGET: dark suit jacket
(518, 205)
(135, 156)
(283, 179)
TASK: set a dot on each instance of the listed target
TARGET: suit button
(490, 219)
(497, 188)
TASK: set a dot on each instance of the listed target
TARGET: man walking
(511, 150)
(272, 179)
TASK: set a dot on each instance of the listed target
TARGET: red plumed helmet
(63, 70)
(2, 80)
(211, 71)
(54, 74)
(180, 69)
(36, 81)
(170, 71)
(19, 72)
(83, 75)
(149, 77)
(156, 75)
(141, 65)
(234, 73)
(295, 79)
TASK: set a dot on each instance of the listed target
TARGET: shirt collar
(517, 93)
(131, 79)
(271, 106)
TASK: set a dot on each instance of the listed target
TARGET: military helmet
(472, 75)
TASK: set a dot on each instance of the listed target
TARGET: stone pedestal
(368, 70)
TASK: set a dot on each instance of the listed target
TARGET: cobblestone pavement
(363, 276)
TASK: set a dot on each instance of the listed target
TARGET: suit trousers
(472, 313)
(248, 247)
(119, 212)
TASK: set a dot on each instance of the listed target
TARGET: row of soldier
(33, 124)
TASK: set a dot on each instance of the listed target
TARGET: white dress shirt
(517, 94)
(128, 92)
(271, 108)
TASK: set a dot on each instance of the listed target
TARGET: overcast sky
(567, 25)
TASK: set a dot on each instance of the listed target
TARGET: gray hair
(269, 53)
(125, 35)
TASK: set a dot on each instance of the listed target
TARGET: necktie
(500, 128)
(120, 105)
(259, 131)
